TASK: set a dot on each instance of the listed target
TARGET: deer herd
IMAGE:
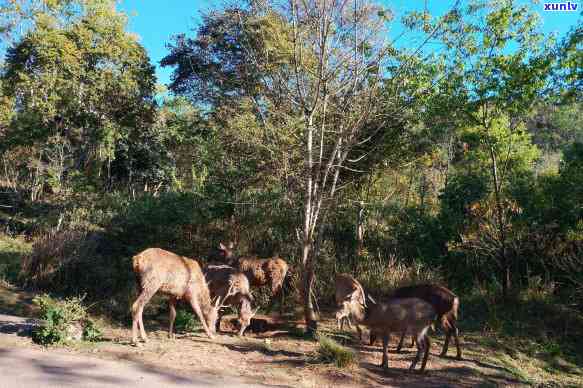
(226, 281)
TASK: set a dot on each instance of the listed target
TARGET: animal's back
(399, 314)
(221, 277)
(253, 267)
(173, 273)
(441, 298)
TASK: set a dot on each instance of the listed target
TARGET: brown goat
(402, 315)
(347, 289)
(178, 276)
(260, 272)
(233, 286)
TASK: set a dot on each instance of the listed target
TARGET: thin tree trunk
(307, 249)
(360, 228)
(308, 281)
(506, 272)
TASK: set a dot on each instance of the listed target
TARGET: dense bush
(63, 321)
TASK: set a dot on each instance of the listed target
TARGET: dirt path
(268, 358)
(27, 368)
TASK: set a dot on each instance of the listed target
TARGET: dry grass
(331, 352)
(381, 276)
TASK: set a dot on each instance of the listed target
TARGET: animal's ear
(231, 245)
(371, 299)
(222, 247)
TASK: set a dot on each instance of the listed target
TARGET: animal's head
(343, 311)
(212, 314)
(226, 252)
(351, 305)
(245, 314)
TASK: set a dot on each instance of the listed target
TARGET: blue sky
(156, 21)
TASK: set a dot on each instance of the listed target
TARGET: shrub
(50, 253)
(185, 321)
(331, 352)
(63, 320)
(91, 332)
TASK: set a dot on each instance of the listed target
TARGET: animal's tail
(137, 267)
(455, 308)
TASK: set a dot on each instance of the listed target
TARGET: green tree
(496, 66)
(77, 74)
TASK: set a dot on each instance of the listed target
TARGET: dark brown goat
(260, 272)
(231, 285)
(178, 276)
(446, 305)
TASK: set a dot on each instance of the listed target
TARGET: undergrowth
(331, 352)
(63, 321)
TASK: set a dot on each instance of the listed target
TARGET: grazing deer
(402, 315)
(233, 286)
(260, 272)
(348, 290)
(178, 276)
(444, 302)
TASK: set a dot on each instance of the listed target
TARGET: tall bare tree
(335, 84)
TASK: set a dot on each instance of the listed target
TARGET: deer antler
(219, 302)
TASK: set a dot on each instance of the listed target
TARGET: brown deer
(179, 277)
(231, 285)
(348, 290)
(401, 315)
(260, 272)
(445, 303)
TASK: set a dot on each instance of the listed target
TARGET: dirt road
(28, 368)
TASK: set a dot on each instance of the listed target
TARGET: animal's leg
(359, 330)
(385, 361)
(420, 343)
(348, 323)
(218, 325)
(455, 331)
(137, 311)
(196, 308)
(372, 338)
(149, 295)
(282, 301)
(172, 316)
(400, 346)
(427, 345)
(446, 343)
(135, 321)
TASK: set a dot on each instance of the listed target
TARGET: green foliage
(86, 84)
(91, 331)
(331, 352)
(12, 251)
(59, 320)
(186, 322)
